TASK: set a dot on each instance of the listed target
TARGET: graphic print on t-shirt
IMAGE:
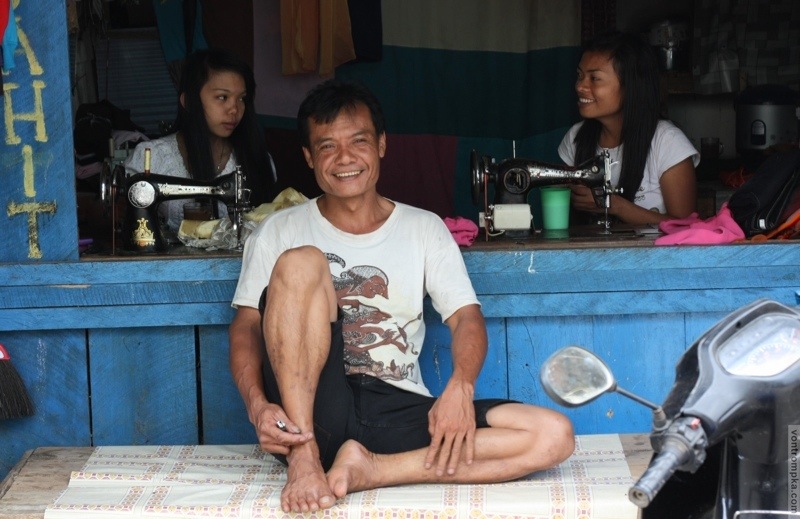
(374, 342)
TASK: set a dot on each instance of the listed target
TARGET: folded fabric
(692, 230)
(463, 230)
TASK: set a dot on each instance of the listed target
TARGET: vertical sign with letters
(38, 215)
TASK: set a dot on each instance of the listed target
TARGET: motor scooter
(726, 438)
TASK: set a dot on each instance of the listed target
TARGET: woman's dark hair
(247, 139)
(636, 66)
(325, 101)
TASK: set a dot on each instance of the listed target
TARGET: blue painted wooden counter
(134, 350)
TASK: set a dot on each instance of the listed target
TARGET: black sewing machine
(514, 178)
(143, 193)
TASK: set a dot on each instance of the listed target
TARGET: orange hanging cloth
(315, 35)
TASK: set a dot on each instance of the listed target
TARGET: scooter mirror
(574, 376)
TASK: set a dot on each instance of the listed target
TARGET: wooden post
(37, 172)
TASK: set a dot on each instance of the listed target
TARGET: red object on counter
(735, 178)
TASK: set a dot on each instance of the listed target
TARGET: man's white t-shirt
(380, 278)
(668, 147)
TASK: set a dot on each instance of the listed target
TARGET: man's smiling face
(345, 153)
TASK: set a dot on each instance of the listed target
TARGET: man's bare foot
(306, 488)
(353, 470)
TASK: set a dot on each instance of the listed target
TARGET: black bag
(768, 198)
(94, 124)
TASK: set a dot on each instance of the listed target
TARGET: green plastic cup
(555, 207)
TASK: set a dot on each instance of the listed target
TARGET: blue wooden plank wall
(143, 385)
(135, 350)
(38, 218)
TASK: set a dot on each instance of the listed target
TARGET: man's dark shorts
(383, 418)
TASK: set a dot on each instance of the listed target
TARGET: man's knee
(560, 437)
(552, 439)
(304, 263)
(302, 255)
(302, 275)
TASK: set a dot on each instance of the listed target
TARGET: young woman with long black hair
(619, 99)
(217, 129)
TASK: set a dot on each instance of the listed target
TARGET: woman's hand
(583, 200)
(677, 187)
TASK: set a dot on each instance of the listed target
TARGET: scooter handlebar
(682, 447)
(656, 475)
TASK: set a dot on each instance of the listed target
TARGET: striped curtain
(454, 75)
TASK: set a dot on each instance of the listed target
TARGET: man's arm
(246, 358)
(451, 421)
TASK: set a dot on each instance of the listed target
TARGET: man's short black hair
(325, 101)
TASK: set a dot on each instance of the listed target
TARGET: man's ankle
(304, 451)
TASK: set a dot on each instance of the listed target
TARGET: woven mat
(240, 481)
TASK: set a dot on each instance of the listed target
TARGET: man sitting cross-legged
(326, 356)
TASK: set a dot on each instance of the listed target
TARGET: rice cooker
(766, 115)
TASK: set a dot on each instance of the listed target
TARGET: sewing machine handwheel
(110, 182)
(476, 176)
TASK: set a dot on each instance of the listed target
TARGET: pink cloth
(721, 228)
(463, 230)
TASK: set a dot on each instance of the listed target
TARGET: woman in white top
(618, 89)
(217, 130)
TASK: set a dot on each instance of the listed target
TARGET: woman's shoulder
(669, 132)
(573, 130)
(566, 148)
(667, 126)
(671, 143)
(165, 157)
(167, 141)
(160, 145)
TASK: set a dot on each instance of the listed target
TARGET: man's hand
(270, 435)
(451, 424)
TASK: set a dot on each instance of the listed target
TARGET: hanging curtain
(476, 68)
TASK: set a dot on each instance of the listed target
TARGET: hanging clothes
(171, 30)
(176, 41)
(366, 26)
(315, 35)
